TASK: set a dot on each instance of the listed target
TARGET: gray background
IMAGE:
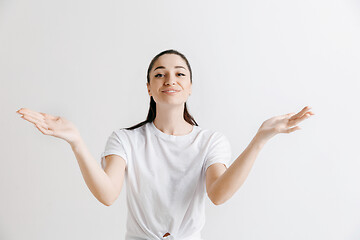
(251, 60)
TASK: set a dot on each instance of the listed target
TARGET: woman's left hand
(284, 123)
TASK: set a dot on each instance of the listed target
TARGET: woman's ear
(148, 88)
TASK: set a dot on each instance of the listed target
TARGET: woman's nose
(170, 80)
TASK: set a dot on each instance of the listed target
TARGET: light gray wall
(251, 60)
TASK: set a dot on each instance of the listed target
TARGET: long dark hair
(152, 109)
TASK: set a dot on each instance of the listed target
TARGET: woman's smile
(170, 92)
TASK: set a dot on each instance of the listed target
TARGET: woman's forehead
(170, 61)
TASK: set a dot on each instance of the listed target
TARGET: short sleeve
(114, 145)
(219, 150)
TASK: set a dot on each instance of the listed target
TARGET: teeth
(170, 91)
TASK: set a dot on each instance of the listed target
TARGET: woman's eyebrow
(164, 67)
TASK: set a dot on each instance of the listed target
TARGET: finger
(289, 115)
(31, 118)
(30, 112)
(35, 116)
(43, 130)
(48, 116)
(301, 113)
(34, 121)
(293, 129)
(298, 120)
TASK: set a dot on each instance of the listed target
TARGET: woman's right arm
(95, 177)
(106, 184)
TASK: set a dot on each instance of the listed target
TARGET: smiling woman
(166, 69)
(168, 168)
(169, 162)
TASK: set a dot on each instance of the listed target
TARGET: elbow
(216, 201)
(217, 198)
(108, 201)
(107, 204)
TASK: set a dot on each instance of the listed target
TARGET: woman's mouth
(170, 92)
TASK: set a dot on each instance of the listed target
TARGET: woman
(168, 161)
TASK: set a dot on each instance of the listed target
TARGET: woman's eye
(162, 74)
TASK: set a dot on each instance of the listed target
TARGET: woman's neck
(171, 121)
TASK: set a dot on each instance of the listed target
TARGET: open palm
(284, 123)
(51, 125)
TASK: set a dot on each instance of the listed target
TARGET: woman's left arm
(231, 180)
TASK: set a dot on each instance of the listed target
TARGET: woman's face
(169, 72)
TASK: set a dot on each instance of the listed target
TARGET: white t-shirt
(165, 179)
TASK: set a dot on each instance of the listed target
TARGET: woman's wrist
(261, 138)
(75, 144)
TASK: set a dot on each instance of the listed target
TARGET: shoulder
(124, 133)
(212, 135)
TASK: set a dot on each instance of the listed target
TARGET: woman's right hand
(52, 125)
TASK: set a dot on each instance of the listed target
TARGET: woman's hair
(152, 109)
